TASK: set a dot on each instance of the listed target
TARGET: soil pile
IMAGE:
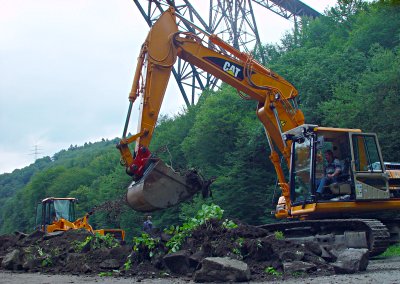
(263, 255)
(266, 256)
(70, 252)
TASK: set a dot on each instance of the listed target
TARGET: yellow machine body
(58, 214)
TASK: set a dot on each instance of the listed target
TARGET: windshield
(301, 171)
(64, 209)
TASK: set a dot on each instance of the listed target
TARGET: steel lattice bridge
(231, 20)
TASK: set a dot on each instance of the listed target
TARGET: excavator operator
(332, 170)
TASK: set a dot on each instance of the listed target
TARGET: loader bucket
(161, 187)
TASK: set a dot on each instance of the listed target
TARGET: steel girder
(231, 20)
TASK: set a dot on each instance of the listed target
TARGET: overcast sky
(66, 69)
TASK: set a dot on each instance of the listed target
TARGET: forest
(346, 66)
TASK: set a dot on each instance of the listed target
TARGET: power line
(36, 151)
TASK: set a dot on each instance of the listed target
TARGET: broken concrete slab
(222, 269)
(291, 255)
(12, 260)
(178, 262)
(298, 266)
(351, 261)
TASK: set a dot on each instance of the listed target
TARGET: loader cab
(51, 209)
(362, 175)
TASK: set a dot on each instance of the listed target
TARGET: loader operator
(332, 170)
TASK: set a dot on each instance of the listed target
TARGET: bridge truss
(231, 20)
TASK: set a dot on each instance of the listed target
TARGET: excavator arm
(276, 98)
(155, 62)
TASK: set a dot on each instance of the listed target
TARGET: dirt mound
(78, 252)
(6, 241)
(265, 254)
(74, 251)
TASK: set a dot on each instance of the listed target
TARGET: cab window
(366, 154)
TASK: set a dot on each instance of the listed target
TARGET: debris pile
(213, 252)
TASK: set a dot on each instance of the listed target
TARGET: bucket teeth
(161, 187)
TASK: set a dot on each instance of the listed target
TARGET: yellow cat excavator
(359, 209)
(58, 214)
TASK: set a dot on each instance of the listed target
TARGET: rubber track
(377, 233)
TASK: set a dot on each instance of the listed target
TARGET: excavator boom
(155, 185)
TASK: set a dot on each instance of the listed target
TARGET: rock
(335, 250)
(196, 258)
(291, 255)
(20, 235)
(158, 261)
(298, 266)
(178, 262)
(328, 254)
(258, 249)
(12, 260)
(309, 257)
(31, 264)
(86, 268)
(53, 235)
(119, 251)
(222, 269)
(314, 247)
(351, 261)
(109, 264)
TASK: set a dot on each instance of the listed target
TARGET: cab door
(370, 178)
(39, 220)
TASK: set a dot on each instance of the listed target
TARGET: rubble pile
(212, 253)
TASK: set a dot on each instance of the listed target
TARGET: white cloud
(13, 160)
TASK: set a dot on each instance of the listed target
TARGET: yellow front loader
(58, 214)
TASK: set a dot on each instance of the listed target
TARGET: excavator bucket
(161, 187)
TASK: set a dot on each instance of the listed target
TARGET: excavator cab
(362, 172)
(51, 209)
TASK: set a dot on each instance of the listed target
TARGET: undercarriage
(352, 233)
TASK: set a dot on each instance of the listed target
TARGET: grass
(279, 235)
(272, 271)
(392, 251)
(105, 274)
